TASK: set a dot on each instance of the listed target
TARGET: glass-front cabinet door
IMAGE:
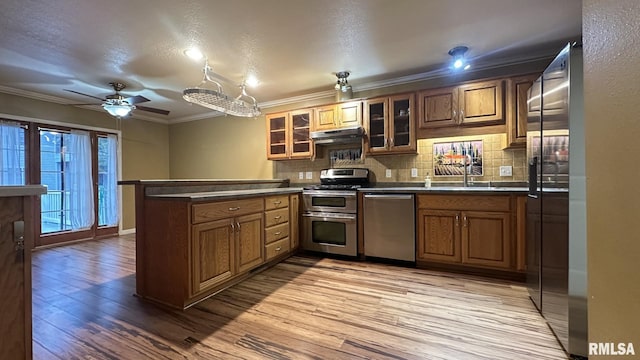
(288, 135)
(301, 146)
(376, 121)
(390, 124)
(401, 124)
(277, 125)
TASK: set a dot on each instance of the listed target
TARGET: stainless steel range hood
(345, 135)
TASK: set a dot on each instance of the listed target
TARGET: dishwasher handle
(389, 196)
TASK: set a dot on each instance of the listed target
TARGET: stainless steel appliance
(352, 134)
(330, 216)
(389, 226)
(556, 215)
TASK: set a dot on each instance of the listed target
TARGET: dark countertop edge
(161, 182)
(447, 189)
(226, 194)
(22, 190)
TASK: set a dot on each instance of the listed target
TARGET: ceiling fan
(120, 105)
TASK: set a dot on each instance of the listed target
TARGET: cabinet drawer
(276, 202)
(276, 233)
(275, 217)
(464, 202)
(225, 209)
(277, 248)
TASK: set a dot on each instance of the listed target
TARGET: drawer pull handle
(278, 248)
(277, 217)
(277, 202)
(234, 208)
(277, 233)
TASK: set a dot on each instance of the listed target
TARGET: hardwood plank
(302, 308)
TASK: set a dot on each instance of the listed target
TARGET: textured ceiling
(292, 46)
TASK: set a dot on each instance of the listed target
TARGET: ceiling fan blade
(153, 110)
(136, 99)
(79, 93)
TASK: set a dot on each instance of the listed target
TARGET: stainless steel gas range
(330, 217)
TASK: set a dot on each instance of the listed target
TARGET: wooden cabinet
(294, 219)
(223, 247)
(517, 109)
(16, 243)
(338, 115)
(473, 104)
(486, 238)
(472, 230)
(277, 230)
(196, 248)
(288, 135)
(389, 124)
(212, 254)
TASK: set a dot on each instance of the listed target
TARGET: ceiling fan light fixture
(194, 53)
(459, 62)
(118, 108)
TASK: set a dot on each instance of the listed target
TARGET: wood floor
(303, 308)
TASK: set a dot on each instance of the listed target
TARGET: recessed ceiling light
(252, 81)
(194, 53)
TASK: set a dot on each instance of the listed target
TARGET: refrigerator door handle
(533, 178)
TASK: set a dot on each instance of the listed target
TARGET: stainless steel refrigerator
(556, 215)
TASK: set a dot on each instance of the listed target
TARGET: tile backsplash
(400, 166)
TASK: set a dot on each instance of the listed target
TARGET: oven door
(330, 201)
(332, 233)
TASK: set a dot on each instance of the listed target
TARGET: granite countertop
(226, 194)
(25, 190)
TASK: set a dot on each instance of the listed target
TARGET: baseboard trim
(127, 231)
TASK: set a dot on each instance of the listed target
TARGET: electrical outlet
(301, 175)
(309, 175)
(506, 171)
(414, 172)
(387, 173)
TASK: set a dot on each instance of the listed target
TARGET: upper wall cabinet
(473, 104)
(288, 135)
(517, 92)
(338, 115)
(390, 125)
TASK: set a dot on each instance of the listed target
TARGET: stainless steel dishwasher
(389, 226)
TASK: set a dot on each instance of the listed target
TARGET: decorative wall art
(449, 158)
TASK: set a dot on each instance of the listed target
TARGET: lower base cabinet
(200, 248)
(472, 230)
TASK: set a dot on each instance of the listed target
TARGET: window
(12, 157)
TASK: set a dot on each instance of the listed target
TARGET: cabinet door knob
(238, 225)
(465, 222)
(457, 220)
(233, 227)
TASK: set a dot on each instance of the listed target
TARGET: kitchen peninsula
(195, 238)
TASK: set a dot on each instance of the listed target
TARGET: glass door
(80, 170)
(65, 168)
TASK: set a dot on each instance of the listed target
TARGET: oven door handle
(332, 216)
